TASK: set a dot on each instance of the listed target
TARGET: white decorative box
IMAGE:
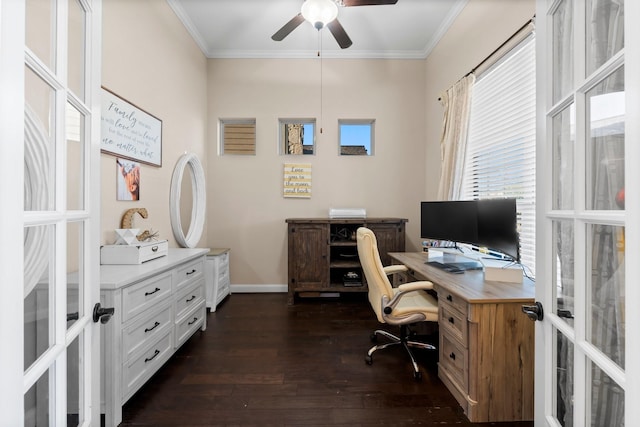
(133, 254)
(347, 213)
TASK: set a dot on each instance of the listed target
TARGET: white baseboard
(254, 289)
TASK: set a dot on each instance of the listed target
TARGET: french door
(588, 213)
(49, 269)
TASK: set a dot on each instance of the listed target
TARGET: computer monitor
(489, 223)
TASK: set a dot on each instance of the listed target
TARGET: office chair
(407, 304)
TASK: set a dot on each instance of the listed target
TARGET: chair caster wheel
(368, 359)
(417, 376)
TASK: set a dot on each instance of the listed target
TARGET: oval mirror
(198, 196)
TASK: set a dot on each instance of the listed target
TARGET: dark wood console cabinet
(323, 255)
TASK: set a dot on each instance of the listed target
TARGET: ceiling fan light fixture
(319, 12)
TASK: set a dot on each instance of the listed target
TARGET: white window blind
(500, 159)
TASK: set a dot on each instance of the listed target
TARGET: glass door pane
(605, 294)
(562, 24)
(605, 143)
(564, 134)
(605, 31)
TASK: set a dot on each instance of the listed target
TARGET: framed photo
(127, 180)
(129, 132)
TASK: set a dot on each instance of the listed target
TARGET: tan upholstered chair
(408, 303)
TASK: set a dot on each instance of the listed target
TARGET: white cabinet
(158, 305)
(217, 277)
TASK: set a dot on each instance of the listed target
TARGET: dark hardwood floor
(263, 363)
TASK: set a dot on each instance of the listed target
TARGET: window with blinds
(238, 136)
(500, 157)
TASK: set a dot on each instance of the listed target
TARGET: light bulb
(319, 12)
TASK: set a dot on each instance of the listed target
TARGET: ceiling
(243, 28)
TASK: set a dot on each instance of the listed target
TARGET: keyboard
(456, 267)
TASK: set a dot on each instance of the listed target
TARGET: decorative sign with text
(297, 180)
(129, 132)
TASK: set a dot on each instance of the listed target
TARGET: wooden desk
(486, 351)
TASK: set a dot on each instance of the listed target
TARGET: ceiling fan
(321, 13)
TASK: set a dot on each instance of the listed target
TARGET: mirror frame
(199, 200)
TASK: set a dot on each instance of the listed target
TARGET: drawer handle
(154, 249)
(195, 319)
(149, 359)
(452, 356)
(146, 294)
(191, 299)
(451, 320)
(191, 272)
(449, 298)
(151, 328)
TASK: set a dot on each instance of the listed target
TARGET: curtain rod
(496, 50)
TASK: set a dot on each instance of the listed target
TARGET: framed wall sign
(129, 132)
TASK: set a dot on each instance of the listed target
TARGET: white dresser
(218, 282)
(158, 305)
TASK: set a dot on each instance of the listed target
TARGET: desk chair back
(377, 280)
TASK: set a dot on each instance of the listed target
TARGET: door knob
(534, 312)
(102, 314)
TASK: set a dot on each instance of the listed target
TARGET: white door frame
(12, 200)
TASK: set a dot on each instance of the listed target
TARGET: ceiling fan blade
(349, 3)
(339, 33)
(288, 27)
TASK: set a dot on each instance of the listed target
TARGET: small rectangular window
(356, 137)
(297, 136)
(238, 136)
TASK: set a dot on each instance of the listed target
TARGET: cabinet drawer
(453, 359)
(190, 323)
(224, 289)
(137, 371)
(452, 299)
(189, 298)
(189, 273)
(140, 334)
(137, 298)
(453, 322)
(223, 261)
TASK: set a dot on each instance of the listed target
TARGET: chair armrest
(388, 306)
(414, 286)
(394, 269)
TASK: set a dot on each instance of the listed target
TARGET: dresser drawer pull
(195, 319)
(154, 249)
(146, 294)
(452, 356)
(449, 298)
(451, 320)
(191, 299)
(191, 272)
(152, 328)
(149, 359)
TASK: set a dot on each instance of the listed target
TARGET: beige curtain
(453, 138)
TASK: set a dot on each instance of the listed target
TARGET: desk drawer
(137, 298)
(140, 334)
(452, 299)
(453, 323)
(189, 273)
(453, 359)
(189, 298)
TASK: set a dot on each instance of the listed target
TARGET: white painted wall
(150, 59)
(247, 211)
